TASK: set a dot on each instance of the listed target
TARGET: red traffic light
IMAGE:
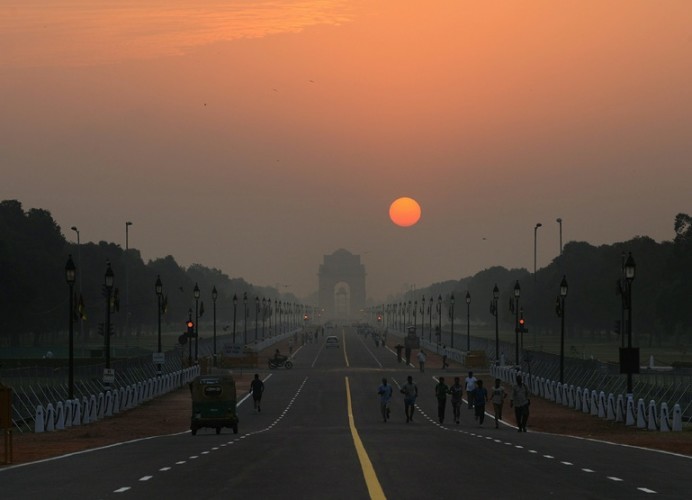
(190, 324)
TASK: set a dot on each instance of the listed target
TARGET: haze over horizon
(257, 137)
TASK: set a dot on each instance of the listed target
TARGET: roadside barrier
(606, 406)
(72, 413)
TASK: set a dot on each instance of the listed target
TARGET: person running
(470, 387)
(498, 399)
(441, 391)
(456, 391)
(481, 397)
(520, 400)
(385, 392)
(410, 392)
(421, 360)
(257, 389)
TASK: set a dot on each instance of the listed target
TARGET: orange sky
(257, 136)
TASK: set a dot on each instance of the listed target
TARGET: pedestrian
(398, 348)
(498, 399)
(385, 392)
(257, 389)
(481, 397)
(421, 360)
(470, 387)
(444, 357)
(456, 390)
(407, 355)
(410, 392)
(441, 391)
(520, 400)
(290, 346)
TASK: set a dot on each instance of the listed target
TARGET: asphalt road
(304, 444)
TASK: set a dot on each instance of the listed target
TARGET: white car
(332, 341)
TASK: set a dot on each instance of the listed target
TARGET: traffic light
(305, 317)
(522, 324)
(190, 328)
(379, 318)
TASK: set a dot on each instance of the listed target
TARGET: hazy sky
(256, 136)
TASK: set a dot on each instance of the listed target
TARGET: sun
(404, 211)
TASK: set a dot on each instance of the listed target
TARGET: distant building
(342, 286)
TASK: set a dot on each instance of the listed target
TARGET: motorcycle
(280, 363)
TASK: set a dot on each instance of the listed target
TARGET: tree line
(34, 295)
(661, 291)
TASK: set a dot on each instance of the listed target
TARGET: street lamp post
(468, 321)
(535, 240)
(257, 307)
(70, 276)
(494, 311)
(414, 312)
(422, 316)
(559, 221)
(214, 296)
(270, 313)
(235, 308)
(195, 293)
(630, 269)
(451, 316)
(264, 315)
(108, 282)
(158, 288)
(561, 313)
(244, 318)
(439, 318)
(517, 294)
(79, 264)
(127, 278)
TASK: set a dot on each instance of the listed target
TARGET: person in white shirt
(421, 360)
(471, 389)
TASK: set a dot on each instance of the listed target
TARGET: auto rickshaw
(213, 403)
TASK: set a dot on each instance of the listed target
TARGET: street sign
(108, 375)
(159, 358)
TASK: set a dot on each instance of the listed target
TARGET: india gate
(342, 286)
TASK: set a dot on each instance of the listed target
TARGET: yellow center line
(371, 480)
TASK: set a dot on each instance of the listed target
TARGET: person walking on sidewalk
(520, 400)
(481, 396)
(470, 387)
(456, 390)
(410, 392)
(498, 399)
(257, 389)
(441, 391)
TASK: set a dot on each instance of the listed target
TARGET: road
(320, 435)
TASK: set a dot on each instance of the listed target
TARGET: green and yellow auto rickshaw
(213, 403)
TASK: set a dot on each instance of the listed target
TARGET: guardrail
(596, 403)
(40, 401)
